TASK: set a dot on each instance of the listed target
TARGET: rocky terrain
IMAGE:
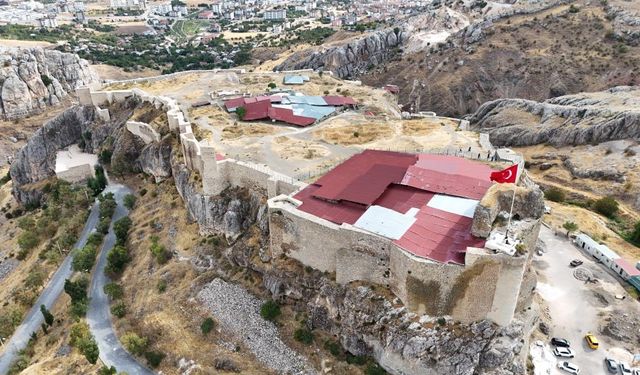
(586, 118)
(348, 59)
(35, 78)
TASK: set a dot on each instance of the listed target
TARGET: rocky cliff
(586, 118)
(348, 59)
(34, 78)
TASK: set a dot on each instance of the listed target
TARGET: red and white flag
(505, 176)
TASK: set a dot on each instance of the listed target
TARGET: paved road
(50, 294)
(98, 316)
(573, 305)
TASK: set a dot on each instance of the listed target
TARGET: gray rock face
(36, 160)
(155, 159)
(350, 59)
(35, 78)
(585, 118)
(231, 213)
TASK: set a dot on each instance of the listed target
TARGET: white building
(624, 269)
(75, 166)
(598, 251)
(275, 14)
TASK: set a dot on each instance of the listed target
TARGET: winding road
(98, 316)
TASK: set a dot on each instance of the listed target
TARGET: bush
(46, 80)
(270, 310)
(119, 309)
(356, 359)
(129, 201)
(143, 191)
(135, 344)
(303, 335)
(606, 206)
(272, 85)
(634, 237)
(113, 290)
(241, 112)
(154, 358)
(207, 326)
(27, 241)
(554, 194)
(117, 259)
(374, 369)
(333, 347)
(162, 286)
(105, 156)
(104, 370)
(81, 338)
(121, 229)
(159, 251)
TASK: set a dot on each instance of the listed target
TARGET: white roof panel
(385, 222)
(455, 205)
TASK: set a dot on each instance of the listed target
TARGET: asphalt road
(573, 305)
(99, 316)
(49, 295)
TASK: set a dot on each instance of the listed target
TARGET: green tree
(104, 370)
(77, 289)
(28, 240)
(84, 259)
(270, 310)
(135, 344)
(241, 111)
(570, 226)
(154, 358)
(121, 229)
(207, 325)
(272, 85)
(117, 259)
(80, 337)
(48, 316)
(303, 335)
(606, 206)
(129, 201)
(635, 234)
(119, 309)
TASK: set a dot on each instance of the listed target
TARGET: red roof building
(402, 182)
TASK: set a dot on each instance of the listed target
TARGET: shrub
(374, 369)
(81, 338)
(154, 358)
(48, 316)
(554, 194)
(105, 156)
(46, 80)
(333, 347)
(573, 9)
(129, 201)
(272, 85)
(162, 286)
(117, 259)
(27, 241)
(303, 335)
(442, 321)
(77, 289)
(143, 191)
(119, 309)
(104, 370)
(207, 326)
(606, 206)
(159, 251)
(135, 344)
(635, 234)
(113, 290)
(356, 359)
(270, 310)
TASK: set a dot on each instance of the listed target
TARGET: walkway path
(98, 316)
(50, 294)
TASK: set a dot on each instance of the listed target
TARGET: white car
(564, 352)
(569, 367)
(624, 368)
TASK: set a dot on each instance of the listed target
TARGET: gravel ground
(6, 266)
(237, 311)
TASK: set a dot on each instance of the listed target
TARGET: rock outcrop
(350, 58)
(586, 118)
(35, 78)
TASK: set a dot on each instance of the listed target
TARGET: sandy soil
(24, 43)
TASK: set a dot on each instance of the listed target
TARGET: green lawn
(184, 30)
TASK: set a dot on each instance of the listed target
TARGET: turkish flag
(505, 176)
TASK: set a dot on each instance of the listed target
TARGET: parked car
(592, 341)
(624, 368)
(636, 371)
(569, 367)
(612, 365)
(575, 263)
(562, 351)
(557, 341)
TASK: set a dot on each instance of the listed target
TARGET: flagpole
(513, 199)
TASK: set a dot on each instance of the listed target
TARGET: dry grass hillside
(559, 51)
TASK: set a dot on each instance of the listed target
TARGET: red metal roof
(449, 175)
(256, 110)
(234, 103)
(627, 267)
(401, 198)
(286, 115)
(364, 177)
(336, 213)
(440, 236)
(336, 100)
